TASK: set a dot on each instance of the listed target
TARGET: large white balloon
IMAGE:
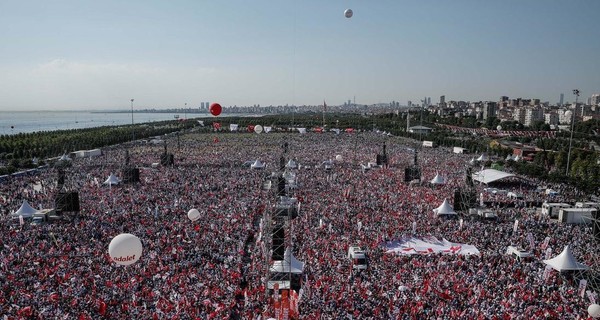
(125, 249)
(194, 214)
(348, 13)
(339, 157)
(258, 128)
(594, 310)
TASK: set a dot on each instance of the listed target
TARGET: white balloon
(499, 128)
(258, 128)
(193, 214)
(594, 310)
(125, 249)
(348, 13)
(339, 157)
(402, 288)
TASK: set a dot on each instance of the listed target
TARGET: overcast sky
(99, 54)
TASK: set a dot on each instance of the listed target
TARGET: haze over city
(69, 55)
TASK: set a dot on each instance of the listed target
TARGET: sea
(15, 122)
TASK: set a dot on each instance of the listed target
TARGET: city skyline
(70, 55)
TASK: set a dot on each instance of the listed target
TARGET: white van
(519, 253)
(358, 257)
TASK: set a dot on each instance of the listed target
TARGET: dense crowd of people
(216, 267)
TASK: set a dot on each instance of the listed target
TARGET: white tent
(490, 175)
(267, 129)
(292, 164)
(472, 161)
(288, 264)
(257, 165)
(233, 127)
(302, 130)
(483, 157)
(444, 208)
(25, 210)
(437, 179)
(64, 158)
(565, 261)
(112, 180)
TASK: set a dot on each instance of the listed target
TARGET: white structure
(490, 175)
(458, 150)
(444, 209)
(565, 261)
(257, 165)
(437, 180)
(112, 180)
(576, 215)
(26, 210)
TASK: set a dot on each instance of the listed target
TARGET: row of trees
(17, 151)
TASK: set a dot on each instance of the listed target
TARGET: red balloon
(215, 109)
(250, 128)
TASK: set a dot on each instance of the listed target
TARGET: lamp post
(576, 93)
(132, 130)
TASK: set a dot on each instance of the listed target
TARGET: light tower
(576, 93)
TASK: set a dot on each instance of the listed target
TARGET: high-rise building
(409, 104)
(207, 105)
(489, 110)
(533, 115)
(595, 99)
(201, 105)
(562, 99)
(442, 100)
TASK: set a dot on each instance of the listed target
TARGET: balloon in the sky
(594, 311)
(258, 128)
(125, 249)
(194, 214)
(348, 13)
(338, 157)
(215, 109)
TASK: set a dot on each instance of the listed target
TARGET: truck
(551, 209)
(358, 257)
(576, 215)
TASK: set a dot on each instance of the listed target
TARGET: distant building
(562, 99)
(442, 100)
(409, 104)
(533, 115)
(420, 130)
(489, 109)
(595, 99)
(551, 118)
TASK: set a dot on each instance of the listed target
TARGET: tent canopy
(25, 210)
(437, 179)
(565, 261)
(490, 175)
(257, 165)
(288, 264)
(112, 180)
(444, 208)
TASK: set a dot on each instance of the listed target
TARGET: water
(14, 122)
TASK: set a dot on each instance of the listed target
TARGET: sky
(89, 54)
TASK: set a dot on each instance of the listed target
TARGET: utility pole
(576, 93)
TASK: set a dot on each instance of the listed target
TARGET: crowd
(215, 267)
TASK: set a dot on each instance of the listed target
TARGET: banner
(545, 243)
(516, 226)
(428, 245)
(531, 241)
(233, 127)
(582, 286)
(460, 224)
